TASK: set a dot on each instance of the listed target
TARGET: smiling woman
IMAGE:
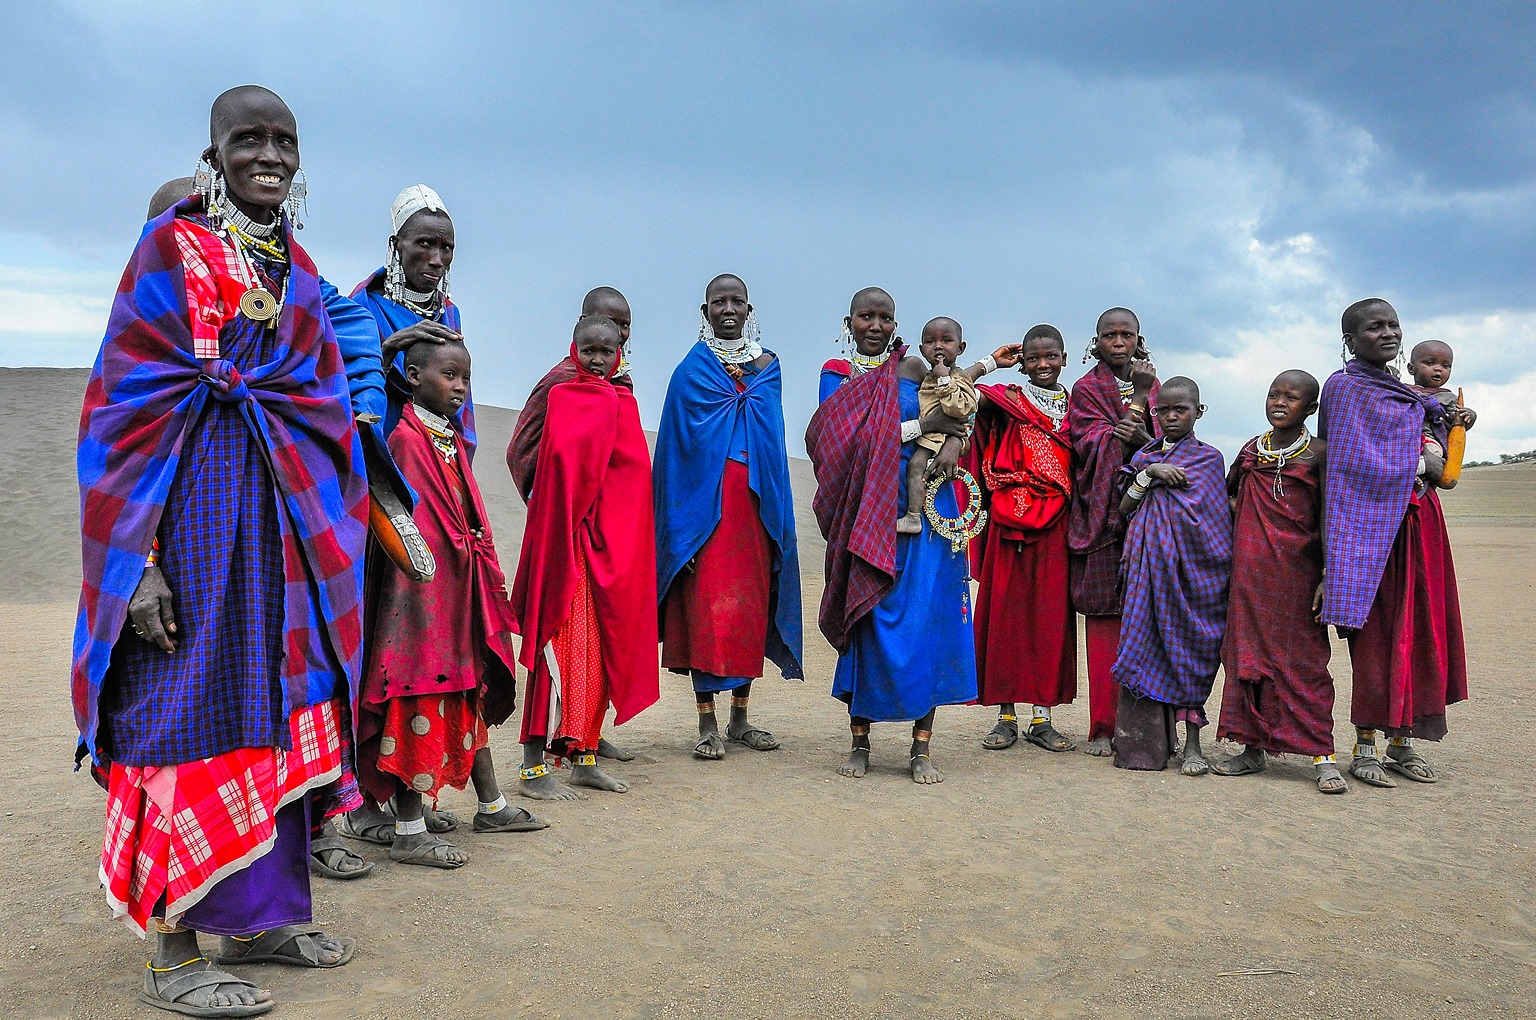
(237, 563)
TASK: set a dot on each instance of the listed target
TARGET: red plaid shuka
(176, 830)
(854, 442)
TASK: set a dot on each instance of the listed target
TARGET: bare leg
(1194, 761)
(917, 491)
(742, 732)
(923, 772)
(535, 779)
(412, 840)
(492, 813)
(858, 758)
(1006, 733)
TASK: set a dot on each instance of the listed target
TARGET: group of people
(295, 628)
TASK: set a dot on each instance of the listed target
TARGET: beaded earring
(845, 340)
(298, 192)
(394, 275)
(1092, 350)
(1344, 351)
(442, 288)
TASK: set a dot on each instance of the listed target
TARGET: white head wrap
(412, 201)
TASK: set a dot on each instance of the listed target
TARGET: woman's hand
(1008, 355)
(943, 424)
(150, 610)
(1170, 475)
(430, 332)
(1143, 374)
(1130, 431)
(1317, 601)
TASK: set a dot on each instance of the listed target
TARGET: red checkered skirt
(174, 831)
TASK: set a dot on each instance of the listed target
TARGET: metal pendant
(258, 305)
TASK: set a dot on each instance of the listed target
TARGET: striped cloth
(147, 395)
(1374, 425)
(1175, 571)
(854, 442)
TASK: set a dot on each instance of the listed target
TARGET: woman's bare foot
(597, 779)
(1099, 747)
(545, 786)
(613, 752)
(923, 771)
(909, 524)
(856, 765)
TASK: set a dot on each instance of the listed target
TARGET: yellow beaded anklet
(538, 771)
(586, 758)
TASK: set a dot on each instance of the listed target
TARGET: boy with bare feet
(1279, 697)
(1176, 568)
(585, 594)
(943, 390)
(440, 663)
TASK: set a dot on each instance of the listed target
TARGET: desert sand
(1026, 885)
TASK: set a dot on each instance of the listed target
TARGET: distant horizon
(1237, 174)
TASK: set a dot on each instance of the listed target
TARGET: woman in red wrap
(1024, 455)
(585, 594)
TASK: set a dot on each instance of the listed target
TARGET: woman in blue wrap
(896, 607)
(728, 568)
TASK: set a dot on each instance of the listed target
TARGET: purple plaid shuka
(1374, 425)
(1175, 572)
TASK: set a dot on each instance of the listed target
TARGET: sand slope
(1027, 885)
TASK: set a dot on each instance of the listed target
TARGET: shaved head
(941, 321)
(1423, 347)
(1045, 331)
(724, 280)
(1306, 382)
(601, 299)
(595, 324)
(1099, 326)
(1357, 313)
(237, 98)
(1184, 386)
(168, 194)
(869, 294)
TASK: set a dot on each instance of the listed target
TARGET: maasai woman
(1390, 585)
(409, 297)
(728, 566)
(1109, 422)
(896, 607)
(585, 594)
(225, 519)
(1026, 634)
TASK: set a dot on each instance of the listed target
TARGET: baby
(945, 390)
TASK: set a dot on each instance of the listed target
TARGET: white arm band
(910, 430)
(988, 364)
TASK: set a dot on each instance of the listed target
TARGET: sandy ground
(1026, 885)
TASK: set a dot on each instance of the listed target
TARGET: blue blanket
(702, 412)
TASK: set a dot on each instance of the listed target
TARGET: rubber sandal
(425, 856)
(522, 820)
(1240, 765)
(1405, 766)
(1194, 768)
(756, 739)
(710, 748)
(377, 833)
(330, 843)
(1006, 731)
(1328, 773)
(1367, 768)
(164, 990)
(1047, 736)
(267, 948)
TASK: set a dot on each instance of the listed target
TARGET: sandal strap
(182, 985)
(268, 943)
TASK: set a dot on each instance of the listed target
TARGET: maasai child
(1026, 635)
(224, 521)
(727, 562)
(1108, 421)
(522, 451)
(1175, 572)
(947, 391)
(440, 660)
(1391, 586)
(1278, 697)
(1430, 366)
(896, 607)
(585, 594)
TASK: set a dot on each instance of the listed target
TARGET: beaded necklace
(439, 429)
(1127, 389)
(861, 363)
(1052, 403)
(1280, 458)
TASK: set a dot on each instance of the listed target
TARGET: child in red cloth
(440, 660)
(1278, 697)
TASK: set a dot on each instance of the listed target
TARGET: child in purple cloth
(1174, 574)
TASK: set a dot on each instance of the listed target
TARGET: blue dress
(916, 649)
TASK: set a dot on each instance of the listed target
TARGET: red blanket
(1092, 412)
(591, 500)
(854, 442)
(454, 633)
(523, 451)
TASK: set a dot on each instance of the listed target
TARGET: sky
(1237, 173)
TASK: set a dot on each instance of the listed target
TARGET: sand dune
(1026, 885)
